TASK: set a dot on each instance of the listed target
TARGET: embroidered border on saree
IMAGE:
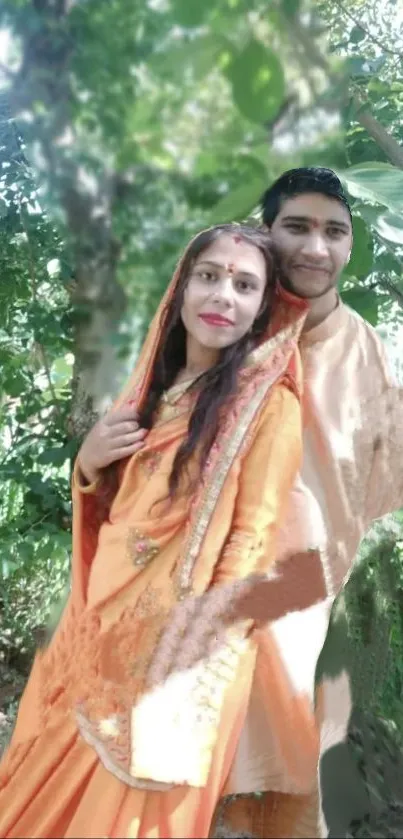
(128, 752)
(227, 450)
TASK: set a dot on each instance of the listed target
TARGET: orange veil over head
(286, 322)
(275, 358)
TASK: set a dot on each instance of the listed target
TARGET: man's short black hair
(297, 182)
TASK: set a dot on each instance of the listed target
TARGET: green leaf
(237, 204)
(191, 12)
(357, 66)
(7, 566)
(291, 7)
(357, 34)
(389, 264)
(379, 183)
(199, 55)
(61, 371)
(258, 84)
(15, 384)
(364, 301)
(376, 64)
(361, 66)
(361, 259)
(56, 455)
(370, 214)
(390, 227)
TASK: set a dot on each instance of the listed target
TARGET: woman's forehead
(232, 250)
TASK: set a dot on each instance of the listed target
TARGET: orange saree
(92, 754)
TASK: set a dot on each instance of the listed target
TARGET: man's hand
(198, 624)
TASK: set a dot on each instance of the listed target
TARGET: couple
(223, 457)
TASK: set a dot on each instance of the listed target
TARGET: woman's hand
(115, 436)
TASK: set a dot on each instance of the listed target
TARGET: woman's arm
(80, 482)
(267, 475)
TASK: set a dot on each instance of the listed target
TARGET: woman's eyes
(212, 277)
(245, 285)
(207, 276)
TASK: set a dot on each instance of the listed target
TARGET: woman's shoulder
(281, 409)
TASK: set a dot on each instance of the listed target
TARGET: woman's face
(224, 293)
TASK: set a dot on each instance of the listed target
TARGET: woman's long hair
(219, 382)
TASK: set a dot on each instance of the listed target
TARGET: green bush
(28, 597)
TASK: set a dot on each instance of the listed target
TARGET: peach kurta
(351, 474)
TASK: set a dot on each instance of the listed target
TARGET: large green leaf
(191, 12)
(199, 55)
(364, 301)
(357, 34)
(290, 7)
(390, 227)
(237, 204)
(361, 259)
(258, 84)
(379, 183)
(57, 455)
(389, 263)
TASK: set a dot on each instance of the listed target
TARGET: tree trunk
(41, 98)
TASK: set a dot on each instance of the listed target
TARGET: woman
(178, 489)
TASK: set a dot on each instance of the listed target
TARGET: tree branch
(375, 129)
(385, 141)
(395, 292)
(372, 38)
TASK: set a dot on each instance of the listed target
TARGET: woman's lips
(216, 320)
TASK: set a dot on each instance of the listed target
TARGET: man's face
(312, 236)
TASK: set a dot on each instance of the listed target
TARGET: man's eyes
(331, 232)
(297, 228)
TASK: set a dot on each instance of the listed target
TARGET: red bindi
(230, 268)
(237, 239)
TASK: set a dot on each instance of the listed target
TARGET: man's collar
(291, 299)
(332, 323)
(329, 326)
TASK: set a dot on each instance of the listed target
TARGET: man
(345, 368)
(350, 474)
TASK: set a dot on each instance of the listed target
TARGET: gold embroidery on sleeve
(140, 548)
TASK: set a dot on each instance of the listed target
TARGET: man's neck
(320, 308)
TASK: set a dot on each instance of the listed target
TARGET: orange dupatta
(124, 745)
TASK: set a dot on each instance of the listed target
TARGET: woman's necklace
(175, 392)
